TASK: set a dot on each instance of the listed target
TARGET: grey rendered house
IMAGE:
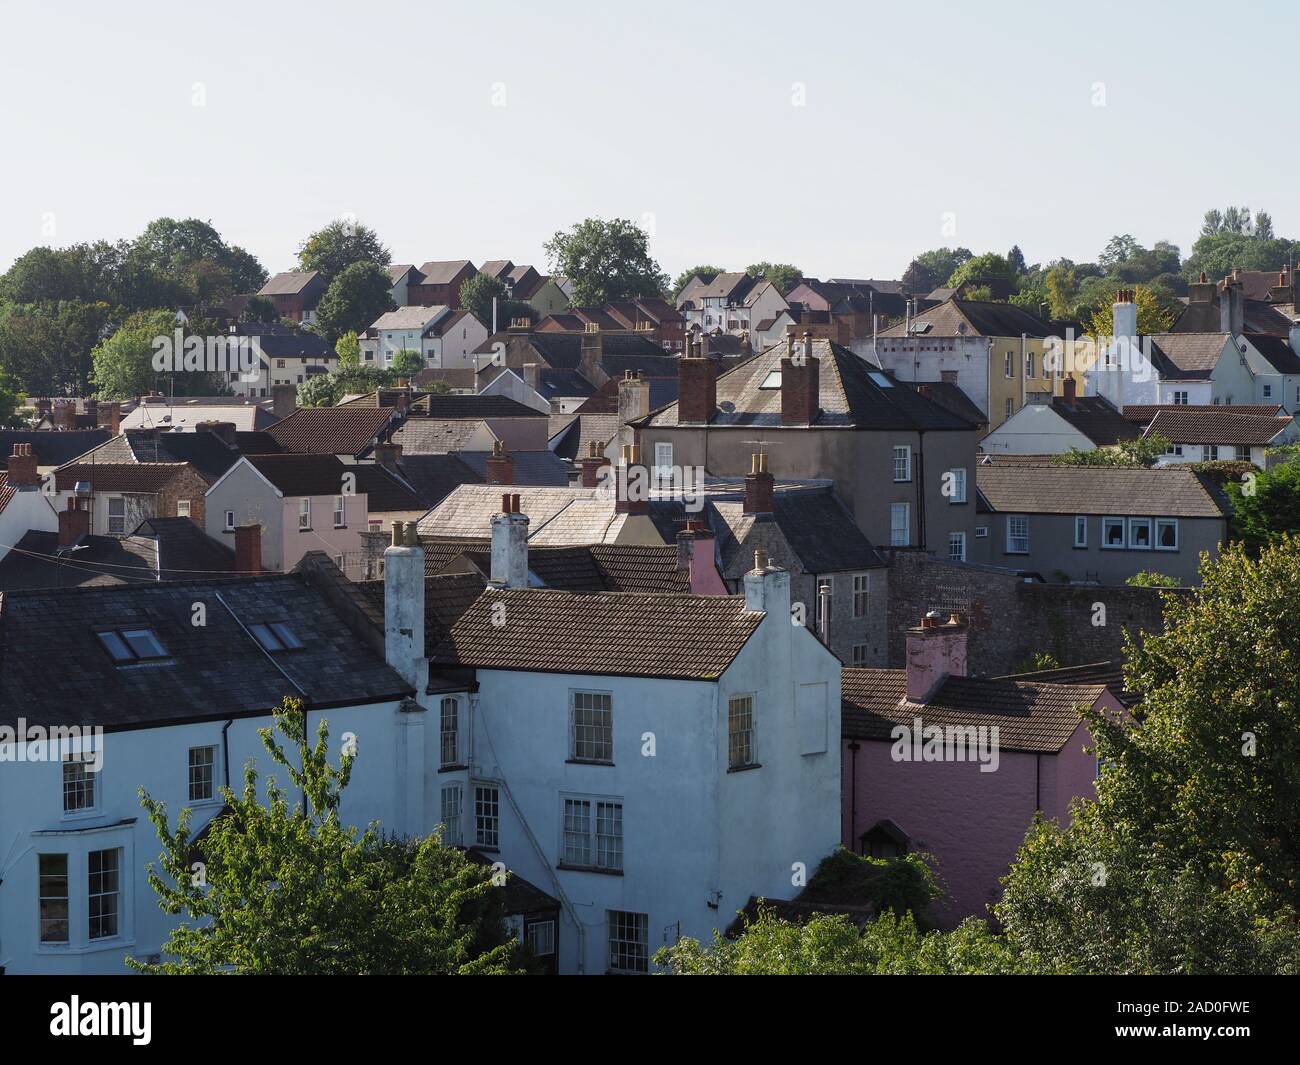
(1096, 523)
(903, 464)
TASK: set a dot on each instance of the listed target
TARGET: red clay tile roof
(330, 430)
(685, 637)
(1030, 716)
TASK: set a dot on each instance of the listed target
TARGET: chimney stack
(800, 384)
(633, 397)
(387, 454)
(248, 549)
(1232, 305)
(696, 559)
(223, 430)
(110, 417)
(1201, 291)
(74, 523)
(22, 468)
(65, 415)
(697, 385)
(510, 545)
(43, 408)
(633, 483)
(592, 464)
(1282, 292)
(1068, 389)
(936, 650)
(1124, 315)
(758, 486)
(767, 588)
(284, 400)
(404, 606)
(500, 465)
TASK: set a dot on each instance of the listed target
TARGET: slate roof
(51, 448)
(1096, 418)
(1110, 674)
(184, 550)
(958, 317)
(322, 475)
(436, 436)
(1222, 425)
(606, 634)
(663, 390)
(564, 350)
(1173, 493)
(1277, 351)
(1030, 716)
(131, 478)
(1257, 317)
(332, 430)
(437, 405)
(950, 397)
(412, 316)
(571, 435)
(1192, 355)
(530, 467)
(213, 671)
(442, 273)
(577, 568)
(295, 346)
(37, 562)
(853, 394)
(205, 451)
(432, 477)
(288, 283)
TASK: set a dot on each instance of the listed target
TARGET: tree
(1062, 287)
(1016, 260)
(1266, 506)
(783, 275)
(284, 890)
(606, 261)
(1142, 451)
(185, 261)
(124, 362)
(9, 418)
(931, 269)
(477, 294)
(1150, 579)
(1189, 859)
(1119, 249)
(407, 363)
(348, 349)
(684, 278)
(47, 346)
(342, 243)
(354, 299)
(1152, 314)
(989, 264)
(259, 309)
(1233, 237)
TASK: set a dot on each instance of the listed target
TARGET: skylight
(880, 379)
(132, 645)
(772, 380)
(276, 637)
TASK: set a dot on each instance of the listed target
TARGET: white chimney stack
(1124, 315)
(510, 545)
(767, 587)
(404, 606)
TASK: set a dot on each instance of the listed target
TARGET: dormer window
(132, 645)
(276, 637)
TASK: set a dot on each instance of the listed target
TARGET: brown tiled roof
(442, 273)
(1030, 716)
(1142, 413)
(1107, 673)
(957, 317)
(322, 475)
(686, 637)
(636, 568)
(1192, 354)
(142, 478)
(331, 430)
(1103, 490)
(288, 283)
(1222, 425)
(446, 597)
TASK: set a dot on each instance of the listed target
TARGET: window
(487, 815)
(1017, 536)
(116, 515)
(1029, 364)
(540, 937)
(861, 594)
(53, 893)
(1243, 453)
(450, 732)
(276, 637)
(279, 364)
(182, 508)
(230, 521)
(202, 766)
(78, 785)
(663, 463)
(1139, 534)
(103, 892)
(593, 844)
(451, 815)
(859, 654)
(1268, 391)
(957, 547)
(1166, 534)
(1112, 532)
(1174, 449)
(131, 645)
(591, 727)
(1009, 407)
(304, 513)
(740, 732)
(1080, 531)
(900, 534)
(340, 512)
(981, 532)
(955, 482)
(1009, 368)
(629, 942)
(1180, 399)
(902, 463)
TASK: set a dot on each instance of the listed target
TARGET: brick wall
(187, 484)
(1012, 620)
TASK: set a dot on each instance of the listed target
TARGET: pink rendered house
(956, 766)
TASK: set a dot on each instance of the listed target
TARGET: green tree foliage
(407, 363)
(259, 309)
(477, 293)
(1151, 579)
(46, 347)
(1235, 237)
(326, 389)
(1266, 505)
(9, 418)
(290, 890)
(684, 278)
(783, 275)
(606, 261)
(1039, 660)
(990, 264)
(1153, 314)
(123, 362)
(343, 242)
(189, 263)
(348, 349)
(931, 269)
(354, 299)
(1142, 451)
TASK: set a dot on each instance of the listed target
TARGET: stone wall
(1010, 620)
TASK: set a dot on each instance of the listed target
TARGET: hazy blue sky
(680, 112)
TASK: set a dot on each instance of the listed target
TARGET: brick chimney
(500, 465)
(1069, 387)
(65, 415)
(592, 464)
(800, 384)
(387, 454)
(43, 408)
(223, 430)
(696, 559)
(248, 549)
(697, 385)
(402, 404)
(22, 468)
(110, 417)
(284, 400)
(74, 523)
(633, 489)
(936, 650)
(1202, 291)
(633, 397)
(1232, 307)
(1282, 292)
(510, 544)
(404, 606)
(592, 351)
(758, 486)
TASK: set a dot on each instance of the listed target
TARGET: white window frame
(583, 844)
(861, 594)
(487, 815)
(182, 508)
(958, 484)
(1009, 407)
(539, 937)
(1180, 398)
(212, 766)
(65, 898)
(1156, 536)
(1012, 536)
(577, 742)
(1029, 365)
(957, 540)
(1139, 523)
(1009, 367)
(230, 521)
(1110, 523)
(1080, 530)
(902, 463)
(663, 469)
(304, 514)
(86, 782)
(621, 947)
(449, 735)
(340, 512)
(451, 799)
(742, 740)
(115, 894)
(117, 522)
(900, 535)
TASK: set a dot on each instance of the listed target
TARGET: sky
(843, 137)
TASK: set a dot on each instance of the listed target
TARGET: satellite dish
(727, 407)
(961, 327)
